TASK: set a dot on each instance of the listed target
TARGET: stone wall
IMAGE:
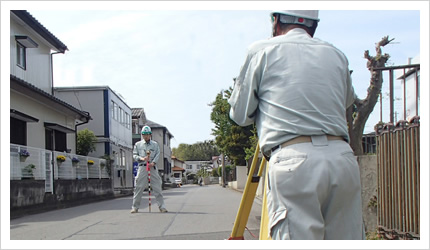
(28, 196)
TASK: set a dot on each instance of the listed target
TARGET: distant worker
(296, 89)
(140, 155)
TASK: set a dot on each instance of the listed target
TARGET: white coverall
(141, 181)
(295, 85)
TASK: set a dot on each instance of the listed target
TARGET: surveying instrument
(248, 198)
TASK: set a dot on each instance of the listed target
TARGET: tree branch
(358, 116)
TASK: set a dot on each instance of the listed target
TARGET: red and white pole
(149, 178)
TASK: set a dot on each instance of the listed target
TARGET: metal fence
(398, 153)
(40, 164)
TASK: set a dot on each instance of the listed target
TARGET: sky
(173, 62)
(173, 58)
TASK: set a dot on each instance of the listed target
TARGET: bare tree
(359, 112)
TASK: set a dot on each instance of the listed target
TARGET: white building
(37, 118)
(411, 88)
(111, 124)
(178, 169)
(42, 126)
(192, 167)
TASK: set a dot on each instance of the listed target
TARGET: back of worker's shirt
(293, 85)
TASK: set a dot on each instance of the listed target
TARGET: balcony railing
(35, 163)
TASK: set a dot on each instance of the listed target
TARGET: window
(60, 141)
(115, 110)
(22, 43)
(55, 140)
(112, 109)
(18, 131)
(121, 116)
(49, 139)
(122, 158)
(20, 56)
(127, 120)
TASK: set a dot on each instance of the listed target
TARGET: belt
(302, 139)
(144, 165)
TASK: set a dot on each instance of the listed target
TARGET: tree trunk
(360, 111)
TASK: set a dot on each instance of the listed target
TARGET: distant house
(369, 143)
(111, 124)
(178, 168)
(138, 121)
(192, 167)
(163, 136)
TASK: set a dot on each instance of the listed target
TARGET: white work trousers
(141, 182)
(314, 192)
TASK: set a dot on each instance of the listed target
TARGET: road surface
(195, 213)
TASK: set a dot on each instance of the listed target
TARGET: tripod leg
(247, 198)
(264, 225)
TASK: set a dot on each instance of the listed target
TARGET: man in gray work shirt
(140, 155)
(296, 89)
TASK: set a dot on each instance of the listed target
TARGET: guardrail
(398, 152)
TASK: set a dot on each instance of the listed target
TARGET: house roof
(176, 168)
(32, 22)
(156, 125)
(137, 113)
(26, 88)
(92, 88)
(176, 159)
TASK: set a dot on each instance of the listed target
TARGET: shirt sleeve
(156, 153)
(136, 155)
(244, 98)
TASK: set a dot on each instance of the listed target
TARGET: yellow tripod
(248, 199)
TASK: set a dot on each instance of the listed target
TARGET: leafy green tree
(202, 173)
(253, 140)
(200, 151)
(86, 142)
(231, 139)
(215, 172)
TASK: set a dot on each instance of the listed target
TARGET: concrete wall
(369, 185)
(28, 196)
(241, 176)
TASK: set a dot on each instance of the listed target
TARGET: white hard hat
(146, 130)
(308, 14)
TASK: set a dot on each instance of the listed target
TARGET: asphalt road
(195, 213)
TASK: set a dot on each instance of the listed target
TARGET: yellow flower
(90, 162)
(61, 158)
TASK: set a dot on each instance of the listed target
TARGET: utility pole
(223, 170)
